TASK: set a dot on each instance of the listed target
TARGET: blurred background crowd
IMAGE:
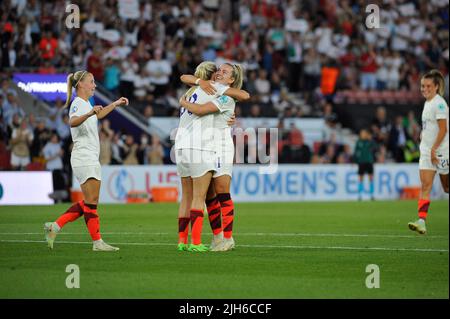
(301, 59)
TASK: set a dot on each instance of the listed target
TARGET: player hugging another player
(204, 154)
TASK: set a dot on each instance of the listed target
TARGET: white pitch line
(246, 234)
(248, 246)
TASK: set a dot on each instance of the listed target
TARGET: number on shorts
(443, 163)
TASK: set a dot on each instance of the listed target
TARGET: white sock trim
(55, 227)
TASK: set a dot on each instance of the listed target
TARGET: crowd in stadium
(296, 54)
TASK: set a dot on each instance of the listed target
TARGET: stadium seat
(5, 160)
(340, 97)
(388, 97)
(350, 97)
(402, 97)
(375, 97)
(416, 97)
(362, 97)
(35, 166)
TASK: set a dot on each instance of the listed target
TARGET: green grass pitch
(284, 250)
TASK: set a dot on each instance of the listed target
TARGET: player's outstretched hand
(207, 87)
(122, 101)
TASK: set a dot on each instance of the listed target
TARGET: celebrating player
(84, 158)
(194, 161)
(221, 108)
(434, 155)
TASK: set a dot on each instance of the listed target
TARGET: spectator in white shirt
(159, 71)
(53, 154)
(262, 86)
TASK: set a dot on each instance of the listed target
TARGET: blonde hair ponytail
(438, 79)
(72, 82)
(69, 89)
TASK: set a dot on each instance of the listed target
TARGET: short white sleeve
(224, 103)
(77, 108)
(440, 109)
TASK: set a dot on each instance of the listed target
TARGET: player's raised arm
(108, 109)
(192, 80)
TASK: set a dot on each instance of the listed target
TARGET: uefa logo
(119, 184)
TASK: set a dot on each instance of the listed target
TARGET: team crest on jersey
(74, 109)
(441, 107)
(223, 99)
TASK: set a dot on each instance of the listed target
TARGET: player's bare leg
(426, 179)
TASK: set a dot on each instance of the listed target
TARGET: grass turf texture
(284, 250)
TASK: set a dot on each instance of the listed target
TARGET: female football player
(433, 145)
(84, 158)
(222, 109)
(188, 166)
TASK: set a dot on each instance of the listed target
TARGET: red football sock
(183, 229)
(227, 207)
(73, 213)
(196, 226)
(423, 206)
(214, 215)
(92, 222)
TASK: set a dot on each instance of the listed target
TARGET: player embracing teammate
(204, 155)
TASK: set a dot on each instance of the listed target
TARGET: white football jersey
(223, 139)
(86, 144)
(433, 110)
(196, 132)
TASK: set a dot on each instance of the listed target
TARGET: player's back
(196, 132)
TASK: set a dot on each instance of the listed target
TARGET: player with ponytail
(434, 143)
(84, 157)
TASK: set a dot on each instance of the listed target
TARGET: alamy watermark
(373, 19)
(373, 279)
(73, 19)
(251, 146)
(73, 280)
